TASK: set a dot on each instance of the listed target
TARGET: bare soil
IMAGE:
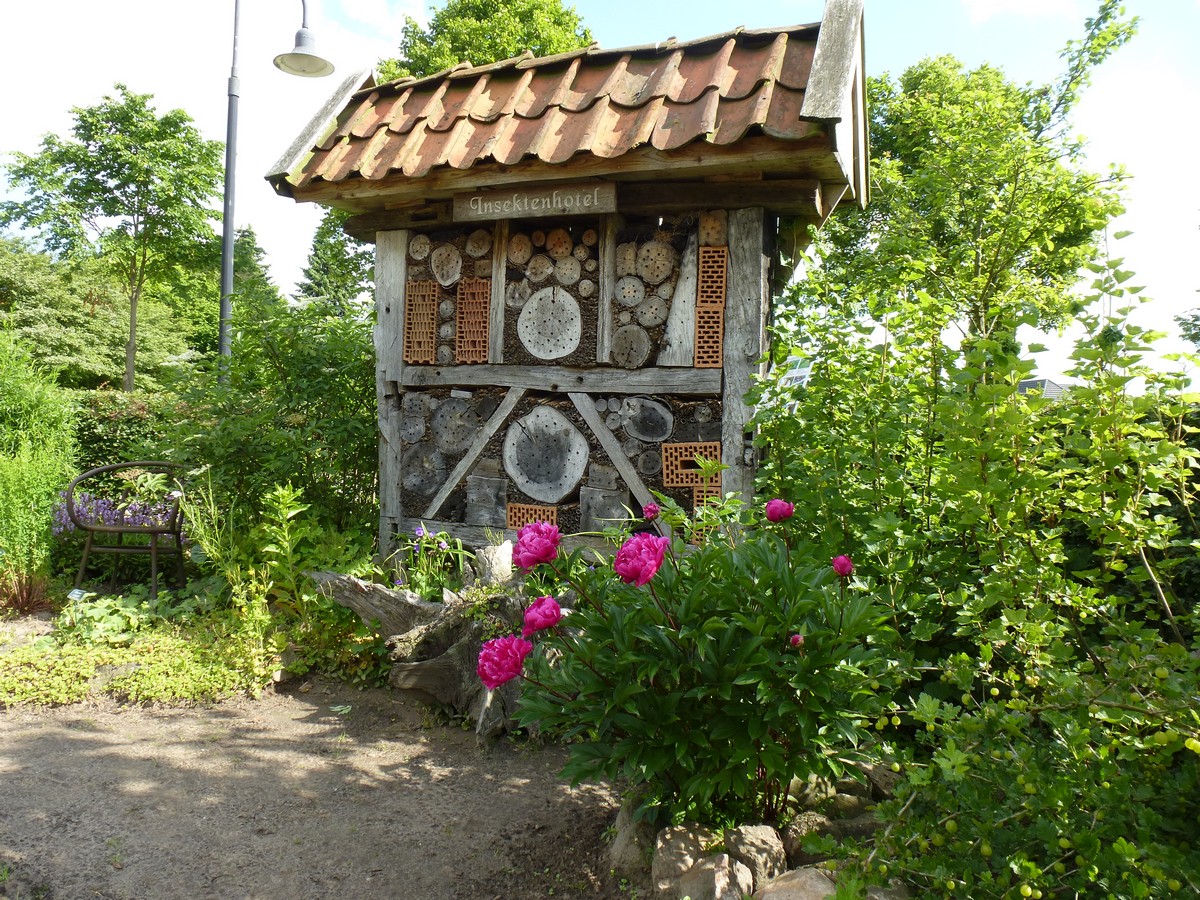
(316, 789)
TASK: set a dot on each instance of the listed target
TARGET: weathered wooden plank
(482, 535)
(496, 310)
(608, 278)
(391, 265)
(301, 147)
(781, 196)
(388, 417)
(834, 61)
(679, 338)
(391, 272)
(587, 409)
(745, 343)
(805, 158)
(564, 378)
(536, 202)
(422, 215)
(481, 438)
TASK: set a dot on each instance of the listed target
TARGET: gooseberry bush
(702, 676)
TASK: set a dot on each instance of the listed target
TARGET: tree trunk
(131, 344)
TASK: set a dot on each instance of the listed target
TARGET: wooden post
(391, 267)
(745, 343)
(608, 277)
(496, 316)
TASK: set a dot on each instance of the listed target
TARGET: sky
(69, 53)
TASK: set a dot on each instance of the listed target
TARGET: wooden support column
(496, 311)
(391, 267)
(746, 306)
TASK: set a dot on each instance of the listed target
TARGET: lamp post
(302, 61)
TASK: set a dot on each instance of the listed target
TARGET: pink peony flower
(778, 510)
(537, 542)
(544, 612)
(650, 511)
(640, 557)
(797, 640)
(501, 660)
(843, 566)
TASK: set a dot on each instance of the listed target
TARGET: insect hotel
(573, 262)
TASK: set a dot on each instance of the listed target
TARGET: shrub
(119, 426)
(35, 463)
(708, 677)
(297, 406)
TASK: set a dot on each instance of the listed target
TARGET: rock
(843, 806)
(760, 848)
(633, 843)
(811, 792)
(493, 564)
(798, 884)
(894, 891)
(798, 829)
(882, 779)
(717, 877)
(677, 849)
(858, 827)
(855, 787)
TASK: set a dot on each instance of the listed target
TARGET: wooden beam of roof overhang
(802, 175)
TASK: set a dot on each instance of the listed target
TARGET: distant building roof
(1049, 389)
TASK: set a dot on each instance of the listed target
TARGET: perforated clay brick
(710, 338)
(679, 468)
(472, 313)
(420, 322)
(522, 514)
(712, 274)
(701, 493)
(711, 284)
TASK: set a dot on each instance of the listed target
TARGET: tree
(130, 187)
(339, 268)
(1026, 546)
(69, 314)
(484, 31)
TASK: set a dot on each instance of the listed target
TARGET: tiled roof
(603, 103)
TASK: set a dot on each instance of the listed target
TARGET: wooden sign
(528, 203)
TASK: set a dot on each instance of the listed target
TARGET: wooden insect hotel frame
(574, 260)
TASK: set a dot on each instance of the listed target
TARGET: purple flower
(501, 660)
(537, 543)
(419, 532)
(640, 557)
(778, 510)
(543, 613)
(442, 545)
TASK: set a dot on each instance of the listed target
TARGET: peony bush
(704, 677)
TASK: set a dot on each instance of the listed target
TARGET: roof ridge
(527, 60)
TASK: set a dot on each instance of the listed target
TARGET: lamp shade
(303, 60)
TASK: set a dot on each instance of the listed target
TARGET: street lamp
(300, 61)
